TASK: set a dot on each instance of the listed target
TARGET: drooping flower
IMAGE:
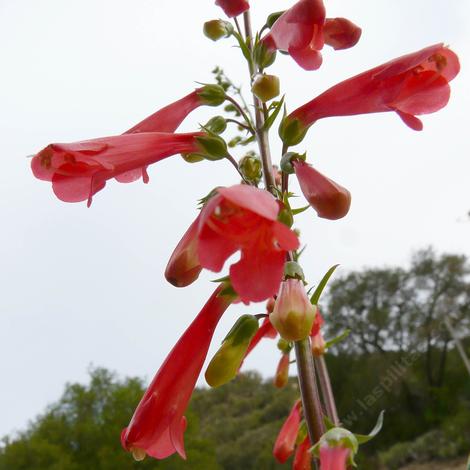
(233, 7)
(303, 457)
(329, 199)
(243, 218)
(158, 424)
(285, 441)
(281, 377)
(333, 458)
(414, 84)
(293, 314)
(299, 31)
(80, 169)
(183, 267)
(340, 33)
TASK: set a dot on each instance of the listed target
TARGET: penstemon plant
(257, 222)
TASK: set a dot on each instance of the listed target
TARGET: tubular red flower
(410, 85)
(299, 31)
(333, 458)
(233, 7)
(244, 218)
(158, 424)
(317, 324)
(329, 199)
(79, 170)
(285, 441)
(183, 267)
(303, 457)
(341, 33)
(282, 373)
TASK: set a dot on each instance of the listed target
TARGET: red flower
(333, 458)
(158, 424)
(340, 33)
(244, 218)
(329, 199)
(303, 458)
(233, 7)
(410, 85)
(79, 170)
(184, 268)
(282, 372)
(299, 31)
(285, 441)
(318, 343)
(317, 324)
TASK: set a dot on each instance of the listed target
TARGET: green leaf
(338, 339)
(362, 439)
(318, 291)
(243, 46)
(272, 117)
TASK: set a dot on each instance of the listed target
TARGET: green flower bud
(217, 29)
(217, 125)
(212, 95)
(227, 360)
(212, 147)
(284, 345)
(292, 131)
(286, 161)
(250, 167)
(192, 157)
(266, 87)
(263, 56)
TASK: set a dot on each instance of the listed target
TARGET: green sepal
(288, 158)
(217, 125)
(293, 270)
(328, 423)
(212, 146)
(211, 94)
(243, 46)
(362, 439)
(318, 291)
(292, 131)
(300, 210)
(302, 433)
(273, 17)
(284, 346)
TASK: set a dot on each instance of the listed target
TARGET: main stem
(326, 389)
(306, 370)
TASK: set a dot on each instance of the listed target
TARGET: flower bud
(284, 346)
(335, 448)
(263, 55)
(183, 268)
(227, 360)
(250, 167)
(217, 29)
(285, 214)
(288, 158)
(282, 373)
(266, 87)
(293, 313)
(212, 147)
(318, 344)
(212, 95)
(292, 131)
(217, 125)
(270, 304)
(329, 199)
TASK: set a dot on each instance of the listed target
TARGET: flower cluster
(255, 223)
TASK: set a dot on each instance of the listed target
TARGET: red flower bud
(329, 199)
(233, 7)
(293, 313)
(341, 33)
(183, 268)
(282, 373)
(285, 441)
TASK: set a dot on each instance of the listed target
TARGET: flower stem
(261, 133)
(326, 389)
(308, 390)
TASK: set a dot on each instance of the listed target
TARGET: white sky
(82, 286)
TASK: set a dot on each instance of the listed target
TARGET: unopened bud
(138, 454)
(266, 87)
(212, 147)
(263, 55)
(285, 215)
(293, 313)
(217, 29)
(292, 131)
(288, 158)
(212, 95)
(227, 360)
(270, 304)
(250, 167)
(318, 345)
(282, 373)
(284, 345)
(217, 125)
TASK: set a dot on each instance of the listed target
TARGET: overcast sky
(85, 286)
